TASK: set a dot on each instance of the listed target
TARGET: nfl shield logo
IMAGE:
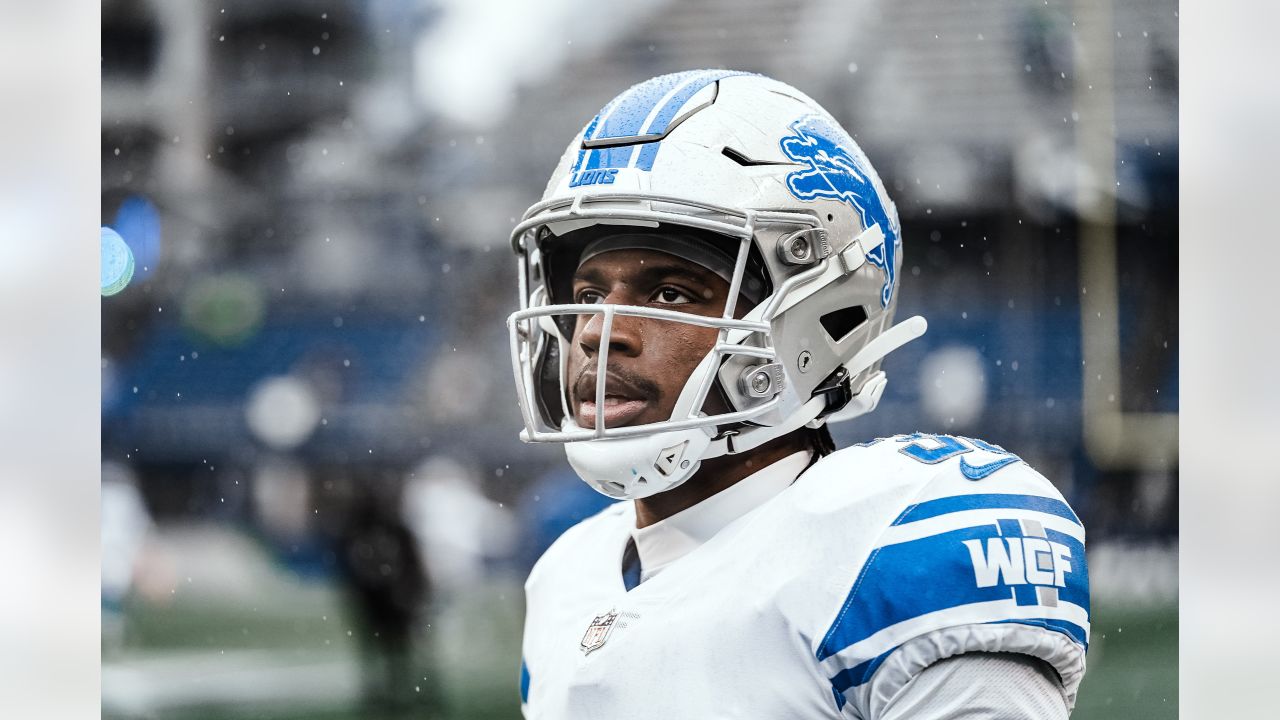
(598, 631)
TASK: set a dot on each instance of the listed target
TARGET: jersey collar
(666, 541)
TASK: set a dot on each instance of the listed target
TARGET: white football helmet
(767, 170)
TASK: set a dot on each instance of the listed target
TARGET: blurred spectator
(459, 530)
(284, 502)
(126, 523)
(388, 587)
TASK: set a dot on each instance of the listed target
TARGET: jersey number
(933, 449)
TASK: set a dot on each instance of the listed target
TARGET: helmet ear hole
(840, 323)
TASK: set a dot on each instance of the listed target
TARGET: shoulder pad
(876, 480)
(986, 556)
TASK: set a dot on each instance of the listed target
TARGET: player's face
(649, 360)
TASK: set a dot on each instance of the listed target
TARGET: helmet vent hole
(841, 323)
(830, 217)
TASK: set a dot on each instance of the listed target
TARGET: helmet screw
(805, 359)
(803, 247)
(760, 382)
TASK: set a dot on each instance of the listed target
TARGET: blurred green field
(289, 651)
(297, 657)
(1132, 666)
(1133, 662)
(234, 635)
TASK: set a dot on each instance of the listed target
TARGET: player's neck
(715, 475)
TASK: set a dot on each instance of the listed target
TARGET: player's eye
(671, 296)
(589, 297)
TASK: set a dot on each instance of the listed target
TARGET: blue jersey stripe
(1070, 629)
(992, 501)
(903, 581)
(524, 682)
(858, 674)
(861, 673)
(906, 580)
(839, 699)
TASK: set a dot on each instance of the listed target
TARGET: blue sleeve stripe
(903, 581)
(861, 673)
(524, 682)
(839, 699)
(906, 580)
(858, 674)
(1070, 629)
(1000, 501)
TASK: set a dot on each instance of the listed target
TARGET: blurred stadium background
(314, 501)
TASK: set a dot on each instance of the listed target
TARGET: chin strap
(732, 443)
(861, 404)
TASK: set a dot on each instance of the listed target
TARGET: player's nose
(625, 334)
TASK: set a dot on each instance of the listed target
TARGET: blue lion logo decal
(838, 170)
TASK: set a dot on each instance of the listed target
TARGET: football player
(709, 281)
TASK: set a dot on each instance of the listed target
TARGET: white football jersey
(823, 601)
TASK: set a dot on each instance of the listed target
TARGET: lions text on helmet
(770, 255)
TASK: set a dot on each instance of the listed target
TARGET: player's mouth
(623, 402)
